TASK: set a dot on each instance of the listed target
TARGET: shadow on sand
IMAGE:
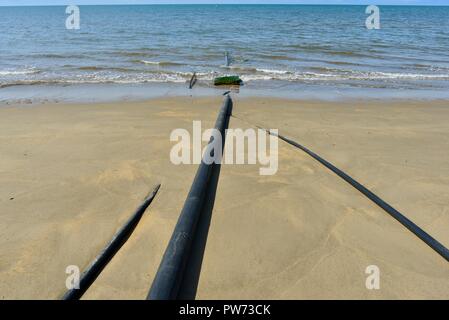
(189, 285)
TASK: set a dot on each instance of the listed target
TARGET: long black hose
(95, 268)
(410, 225)
(169, 277)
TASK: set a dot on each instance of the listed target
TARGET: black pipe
(192, 80)
(171, 271)
(110, 250)
(420, 233)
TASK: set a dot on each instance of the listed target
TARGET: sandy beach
(73, 173)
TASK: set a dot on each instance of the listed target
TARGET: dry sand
(71, 174)
(305, 233)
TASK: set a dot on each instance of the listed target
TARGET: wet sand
(72, 174)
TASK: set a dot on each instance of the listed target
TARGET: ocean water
(279, 47)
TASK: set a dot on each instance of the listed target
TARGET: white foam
(273, 71)
(150, 62)
(18, 72)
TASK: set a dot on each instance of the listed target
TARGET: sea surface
(281, 48)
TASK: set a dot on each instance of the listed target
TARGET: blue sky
(82, 2)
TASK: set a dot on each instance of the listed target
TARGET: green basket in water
(228, 81)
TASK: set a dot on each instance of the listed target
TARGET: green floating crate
(228, 81)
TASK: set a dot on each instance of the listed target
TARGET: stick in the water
(227, 59)
(192, 81)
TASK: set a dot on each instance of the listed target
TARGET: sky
(84, 2)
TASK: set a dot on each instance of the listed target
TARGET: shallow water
(271, 46)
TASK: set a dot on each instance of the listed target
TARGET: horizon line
(225, 4)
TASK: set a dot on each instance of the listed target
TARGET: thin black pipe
(410, 225)
(95, 268)
(171, 271)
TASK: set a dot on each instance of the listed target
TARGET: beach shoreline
(119, 93)
(73, 173)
